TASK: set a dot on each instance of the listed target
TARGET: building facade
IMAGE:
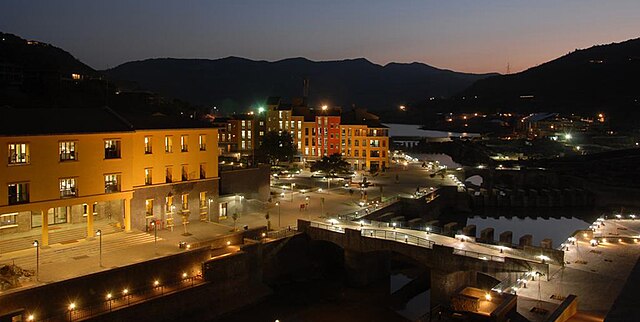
(79, 167)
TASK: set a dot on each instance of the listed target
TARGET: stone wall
(252, 183)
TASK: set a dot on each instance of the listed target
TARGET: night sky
(471, 35)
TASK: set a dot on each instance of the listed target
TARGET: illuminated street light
(99, 233)
(278, 204)
(72, 306)
(36, 244)
(403, 108)
(487, 297)
(325, 107)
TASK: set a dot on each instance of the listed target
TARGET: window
(67, 151)
(68, 187)
(202, 142)
(384, 143)
(18, 193)
(184, 147)
(18, 153)
(112, 149)
(185, 201)
(168, 204)
(147, 176)
(356, 153)
(185, 172)
(203, 199)
(168, 144)
(148, 208)
(111, 183)
(261, 133)
(94, 208)
(85, 210)
(168, 175)
(147, 145)
(203, 172)
(374, 143)
(7, 220)
(374, 154)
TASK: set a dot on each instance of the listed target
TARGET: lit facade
(364, 147)
(123, 174)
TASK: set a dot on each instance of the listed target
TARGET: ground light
(31, 317)
(487, 296)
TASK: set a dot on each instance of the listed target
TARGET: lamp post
(109, 296)
(72, 307)
(209, 211)
(155, 236)
(306, 207)
(292, 186)
(36, 244)
(99, 233)
(278, 204)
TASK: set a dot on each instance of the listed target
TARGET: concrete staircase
(62, 235)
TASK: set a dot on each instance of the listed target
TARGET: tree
(331, 165)
(276, 147)
(234, 216)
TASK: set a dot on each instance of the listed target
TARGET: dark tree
(331, 165)
(276, 147)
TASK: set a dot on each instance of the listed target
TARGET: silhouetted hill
(598, 79)
(234, 82)
(33, 74)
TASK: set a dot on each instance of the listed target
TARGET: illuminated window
(67, 151)
(168, 144)
(18, 193)
(168, 204)
(75, 76)
(148, 208)
(112, 149)
(202, 142)
(9, 219)
(68, 187)
(203, 199)
(184, 147)
(18, 153)
(111, 183)
(185, 201)
(147, 145)
(148, 176)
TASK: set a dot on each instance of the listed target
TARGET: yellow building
(364, 141)
(84, 166)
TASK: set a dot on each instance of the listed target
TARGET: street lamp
(155, 236)
(108, 297)
(72, 307)
(99, 233)
(125, 293)
(36, 244)
(278, 204)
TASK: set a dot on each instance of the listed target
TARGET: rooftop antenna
(305, 90)
(508, 68)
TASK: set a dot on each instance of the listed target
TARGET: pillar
(365, 268)
(90, 230)
(444, 285)
(45, 227)
(506, 238)
(486, 235)
(469, 230)
(127, 215)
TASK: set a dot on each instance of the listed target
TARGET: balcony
(111, 188)
(68, 193)
(21, 158)
(18, 198)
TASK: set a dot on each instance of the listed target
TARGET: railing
(397, 236)
(119, 300)
(477, 255)
(68, 193)
(367, 210)
(326, 226)
(21, 158)
(282, 233)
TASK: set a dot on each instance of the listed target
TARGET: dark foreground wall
(252, 183)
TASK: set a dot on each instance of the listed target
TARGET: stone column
(45, 227)
(444, 285)
(90, 230)
(127, 214)
(365, 268)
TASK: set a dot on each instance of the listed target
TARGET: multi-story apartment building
(364, 141)
(83, 166)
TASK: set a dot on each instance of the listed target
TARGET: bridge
(453, 262)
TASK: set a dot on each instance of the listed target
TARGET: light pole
(155, 236)
(278, 204)
(109, 296)
(292, 185)
(99, 233)
(72, 307)
(322, 206)
(36, 244)
(210, 200)
(306, 207)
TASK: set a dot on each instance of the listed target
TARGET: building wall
(44, 171)
(364, 140)
(328, 134)
(253, 183)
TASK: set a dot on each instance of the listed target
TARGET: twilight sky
(463, 35)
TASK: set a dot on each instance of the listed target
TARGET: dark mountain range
(598, 79)
(237, 83)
